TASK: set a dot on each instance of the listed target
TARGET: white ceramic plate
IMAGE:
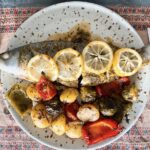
(104, 23)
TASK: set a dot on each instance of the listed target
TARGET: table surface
(44, 3)
(137, 12)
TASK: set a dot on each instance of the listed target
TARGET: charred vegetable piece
(88, 112)
(120, 103)
(45, 88)
(108, 106)
(32, 93)
(100, 130)
(40, 116)
(87, 94)
(69, 95)
(71, 111)
(19, 100)
(114, 87)
(74, 129)
(127, 107)
(58, 126)
(54, 107)
(130, 93)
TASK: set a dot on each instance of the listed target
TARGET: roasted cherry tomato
(46, 89)
(94, 132)
(114, 87)
(71, 111)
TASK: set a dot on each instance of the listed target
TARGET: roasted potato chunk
(87, 94)
(40, 116)
(88, 112)
(69, 95)
(32, 92)
(58, 126)
(74, 129)
(130, 93)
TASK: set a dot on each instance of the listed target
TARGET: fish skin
(18, 58)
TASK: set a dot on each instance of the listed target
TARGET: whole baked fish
(16, 60)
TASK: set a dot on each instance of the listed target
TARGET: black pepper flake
(67, 6)
(45, 131)
(15, 36)
(127, 119)
(106, 21)
(44, 24)
(51, 136)
(46, 136)
(82, 8)
(24, 37)
(97, 11)
(88, 12)
(61, 145)
(109, 27)
(32, 33)
(95, 19)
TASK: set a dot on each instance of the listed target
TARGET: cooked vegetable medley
(89, 95)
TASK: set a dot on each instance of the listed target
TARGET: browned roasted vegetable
(130, 93)
(19, 100)
(87, 94)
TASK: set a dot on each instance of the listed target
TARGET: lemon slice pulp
(42, 64)
(70, 64)
(97, 57)
(126, 62)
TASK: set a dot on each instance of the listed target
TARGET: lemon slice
(42, 64)
(97, 56)
(126, 62)
(69, 63)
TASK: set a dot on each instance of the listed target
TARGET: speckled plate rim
(78, 3)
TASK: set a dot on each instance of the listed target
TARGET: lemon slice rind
(97, 54)
(70, 64)
(126, 62)
(39, 64)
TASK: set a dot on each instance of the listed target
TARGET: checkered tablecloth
(13, 138)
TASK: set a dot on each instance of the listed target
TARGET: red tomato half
(46, 89)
